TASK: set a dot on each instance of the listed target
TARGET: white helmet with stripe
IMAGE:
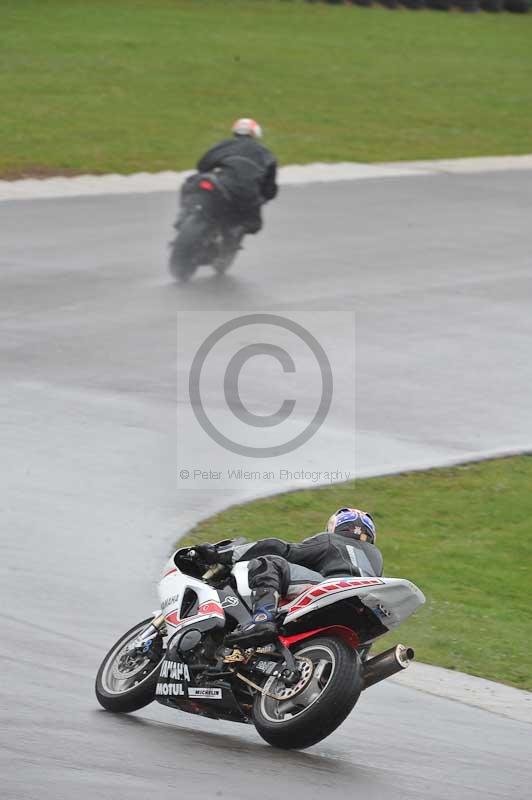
(247, 127)
(354, 522)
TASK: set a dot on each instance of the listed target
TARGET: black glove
(207, 553)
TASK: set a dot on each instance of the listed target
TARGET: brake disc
(125, 666)
(306, 667)
(288, 691)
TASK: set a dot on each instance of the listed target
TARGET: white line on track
(497, 698)
(146, 182)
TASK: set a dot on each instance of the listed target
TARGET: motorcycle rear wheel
(124, 685)
(222, 262)
(322, 704)
(227, 253)
(186, 247)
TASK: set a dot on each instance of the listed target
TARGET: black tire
(325, 713)
(142, 692)
(186, 247)
(222, 263)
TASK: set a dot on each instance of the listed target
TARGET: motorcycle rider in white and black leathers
(280, 569)
(246, 173)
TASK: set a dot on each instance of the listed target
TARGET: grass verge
(128, 85)
(463, 534)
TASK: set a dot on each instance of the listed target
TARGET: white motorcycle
(295, 691)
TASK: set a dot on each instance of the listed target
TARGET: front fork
(144, 641)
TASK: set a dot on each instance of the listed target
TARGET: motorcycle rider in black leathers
(246, 172)
(280, 569)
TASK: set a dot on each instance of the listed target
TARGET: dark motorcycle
(206, 234)
(295, 691)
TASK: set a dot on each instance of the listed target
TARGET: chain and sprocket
(294, 681)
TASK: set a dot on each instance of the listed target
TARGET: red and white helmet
(247, 127)
(354, 522)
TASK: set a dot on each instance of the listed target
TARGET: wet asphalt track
(438, 271)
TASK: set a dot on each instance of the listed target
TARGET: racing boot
(262, 629)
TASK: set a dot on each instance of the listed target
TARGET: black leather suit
(247, 171)
(274, 564)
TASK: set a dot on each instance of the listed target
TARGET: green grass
(463, 535)
(127, 85)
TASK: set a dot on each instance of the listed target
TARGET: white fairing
(172, 588)
(240, 573)
(392, 600)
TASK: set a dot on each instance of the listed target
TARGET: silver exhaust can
(385, 664)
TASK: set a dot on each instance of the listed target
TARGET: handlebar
(191, 554)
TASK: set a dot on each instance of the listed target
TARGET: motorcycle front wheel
(302, 715)
(127, 678)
